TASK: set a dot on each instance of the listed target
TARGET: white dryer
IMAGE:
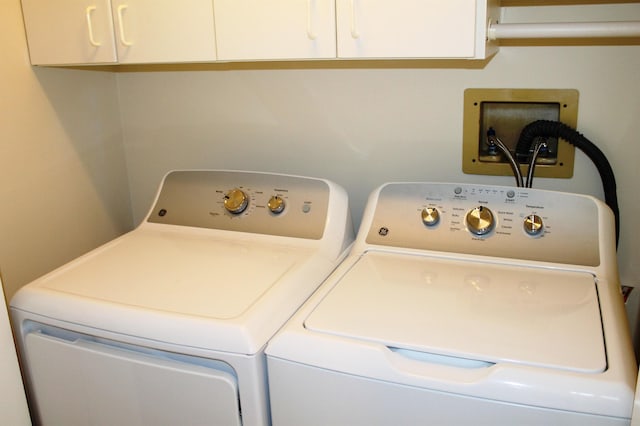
(463, 304)
(167, 324)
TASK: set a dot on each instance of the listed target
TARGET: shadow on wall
(67, 189)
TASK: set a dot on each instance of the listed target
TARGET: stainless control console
(516, 223)
(262, 203)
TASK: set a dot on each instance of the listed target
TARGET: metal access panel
(508, 111)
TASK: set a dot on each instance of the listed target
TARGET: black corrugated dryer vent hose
(547, 128)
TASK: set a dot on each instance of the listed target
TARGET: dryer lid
(211, 290)
(178, 273)
(478, 311)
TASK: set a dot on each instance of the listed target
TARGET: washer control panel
(517, 223)
(262, 203)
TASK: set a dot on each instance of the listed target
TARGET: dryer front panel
(80, 380)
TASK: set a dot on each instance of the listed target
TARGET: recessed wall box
(508, 111)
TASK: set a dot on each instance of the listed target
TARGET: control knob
(430, 216)
(480, 220)
(276, 204)
(236, 201)
(533, 224)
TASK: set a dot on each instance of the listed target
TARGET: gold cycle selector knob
(236, 201)
(430, 216)
(480, 220)
(533, 224)
(276, 204)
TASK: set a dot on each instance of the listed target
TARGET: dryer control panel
(516, 223)
(262, 203)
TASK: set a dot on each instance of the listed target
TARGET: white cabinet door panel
(65, 32)
(69, 31)
(150, 31)
(406, 28)
(278, 29)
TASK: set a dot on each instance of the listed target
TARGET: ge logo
(383, 231)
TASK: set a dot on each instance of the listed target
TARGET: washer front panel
(482, 312)
(569, 233)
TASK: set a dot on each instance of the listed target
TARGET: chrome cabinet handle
(123, 39)
(92, 39)
(354, 28)
(311, 35)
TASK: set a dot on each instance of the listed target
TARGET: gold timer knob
(480, 220)
(236, 201)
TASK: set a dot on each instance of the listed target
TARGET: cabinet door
(150, 31)
(277, 29)
(69, 31)
(406, 28)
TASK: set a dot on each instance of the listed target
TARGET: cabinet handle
(123, 39)
(354, 28)
(92, 40)
(311, 35)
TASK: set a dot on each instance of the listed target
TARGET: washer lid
(478, 311)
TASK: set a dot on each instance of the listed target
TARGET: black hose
(546, 128)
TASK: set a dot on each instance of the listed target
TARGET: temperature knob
(430, 216)
(533, 224)
(480, 220)
(236, 201)
(276, 204)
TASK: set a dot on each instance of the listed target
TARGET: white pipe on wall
(564, 30)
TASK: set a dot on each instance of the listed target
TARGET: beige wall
(362, 124)
(63, 182)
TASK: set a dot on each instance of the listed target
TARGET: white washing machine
(463, 304)
(167, 324)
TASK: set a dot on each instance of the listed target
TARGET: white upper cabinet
(117, 31)
(276, 29)
(414, 28)
(69, 31)
(65, 32)
(150, 31)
